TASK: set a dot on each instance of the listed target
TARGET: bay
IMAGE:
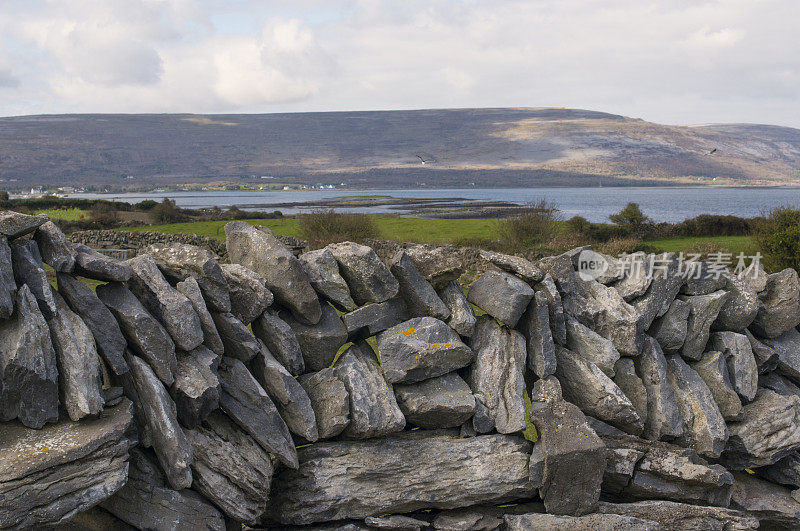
(595, 204)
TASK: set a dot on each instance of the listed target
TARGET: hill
(459, 147)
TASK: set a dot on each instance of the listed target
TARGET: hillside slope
(487, 147)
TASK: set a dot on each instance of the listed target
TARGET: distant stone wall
(117, 239)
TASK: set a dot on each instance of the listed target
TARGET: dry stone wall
(349, 389)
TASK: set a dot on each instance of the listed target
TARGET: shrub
(777, 237)
(631, 215)
(618, 246)
(104, 214)
(714, 225)
(167, 212)
(322, 227)
(147, 204)
(579, 224)
(529, 227)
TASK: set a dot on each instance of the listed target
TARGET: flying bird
(424, 160)
(712, 151)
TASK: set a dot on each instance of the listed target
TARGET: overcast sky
(669, 61)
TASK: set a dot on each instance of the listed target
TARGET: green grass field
(403, 229)
(70, 214)
(733, 244)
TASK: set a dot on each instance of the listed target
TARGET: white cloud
(674, 61)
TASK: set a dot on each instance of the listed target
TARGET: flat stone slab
(501, 295)
(585, 385)
(167, 304)
(673, 515)
(323, 273)
(8, 286)
(329, 400)
(160, 423)
(442, 402)
(780, 305)
(569, 459)
(249, 294)
(288, 395)
(419, 470)
(258, 249)
(231, 469)
(704, 427)
(249, 405)
(367, 277)
(462, 318)
(13, 224)
(54, 248)
(179, 261)
(92, 264)
(48, 475)
(280, 340)
(107, 334)
(319, 343)
(421, 348)
(147, 502)
(768, 432)
(497, 376)
(237, 340)
(145, 335)
(191, 289)
(664, 419)
(551, 522)
(420, 297)
(373, 408)
(196, 388)
(28, 370)
(80, 388)
(374, 318)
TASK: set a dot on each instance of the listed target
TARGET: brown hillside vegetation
(487, 147)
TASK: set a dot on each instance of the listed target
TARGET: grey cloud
(8, 80)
